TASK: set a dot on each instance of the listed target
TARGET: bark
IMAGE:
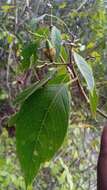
(102, 162)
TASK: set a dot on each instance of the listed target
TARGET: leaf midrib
(45, 116)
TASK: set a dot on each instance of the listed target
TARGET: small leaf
(33, 87)
(44, 31)
(26, 93)
(41, 127)
(7, 8)
(3, 95)
(56, 40)
(64, 53)
(29, 51)
(85, 70)
(61, 76)
(93, 102)
(33, 23)
(48, 44)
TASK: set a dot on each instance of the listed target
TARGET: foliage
(10, 175)
(58, 173)
(39, 137)
(44, 58)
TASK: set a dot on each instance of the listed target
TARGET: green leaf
(3, 95)
(93, 102)
(6, 8)
(85, 70)
(33, 87)
(43, 31)
(48, 44)
(29, 54)
(64, 53)
(56, 40)
(41, 126)
(33, 23)
(61, 76)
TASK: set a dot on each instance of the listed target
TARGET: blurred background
(74, 166)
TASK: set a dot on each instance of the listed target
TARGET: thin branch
(51, 65)
(27, 3)
(8, 69)
(82, 5)
(37, 6)
(101, 113)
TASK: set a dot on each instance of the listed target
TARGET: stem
(51, 18)
(30, 187)
(8, 70)
(51, 65)
(37, 6)
(82, 5)
(61, 21)
(101, 113)
(16, 16)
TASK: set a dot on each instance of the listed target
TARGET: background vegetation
(74, 166)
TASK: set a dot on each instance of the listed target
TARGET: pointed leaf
(64, 53)
(85, 70)
(56, 40)
(30, 90)
(41, 127)
(29, 51)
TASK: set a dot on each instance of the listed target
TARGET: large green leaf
(41, 125)
(56, 40)
(85, 70)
